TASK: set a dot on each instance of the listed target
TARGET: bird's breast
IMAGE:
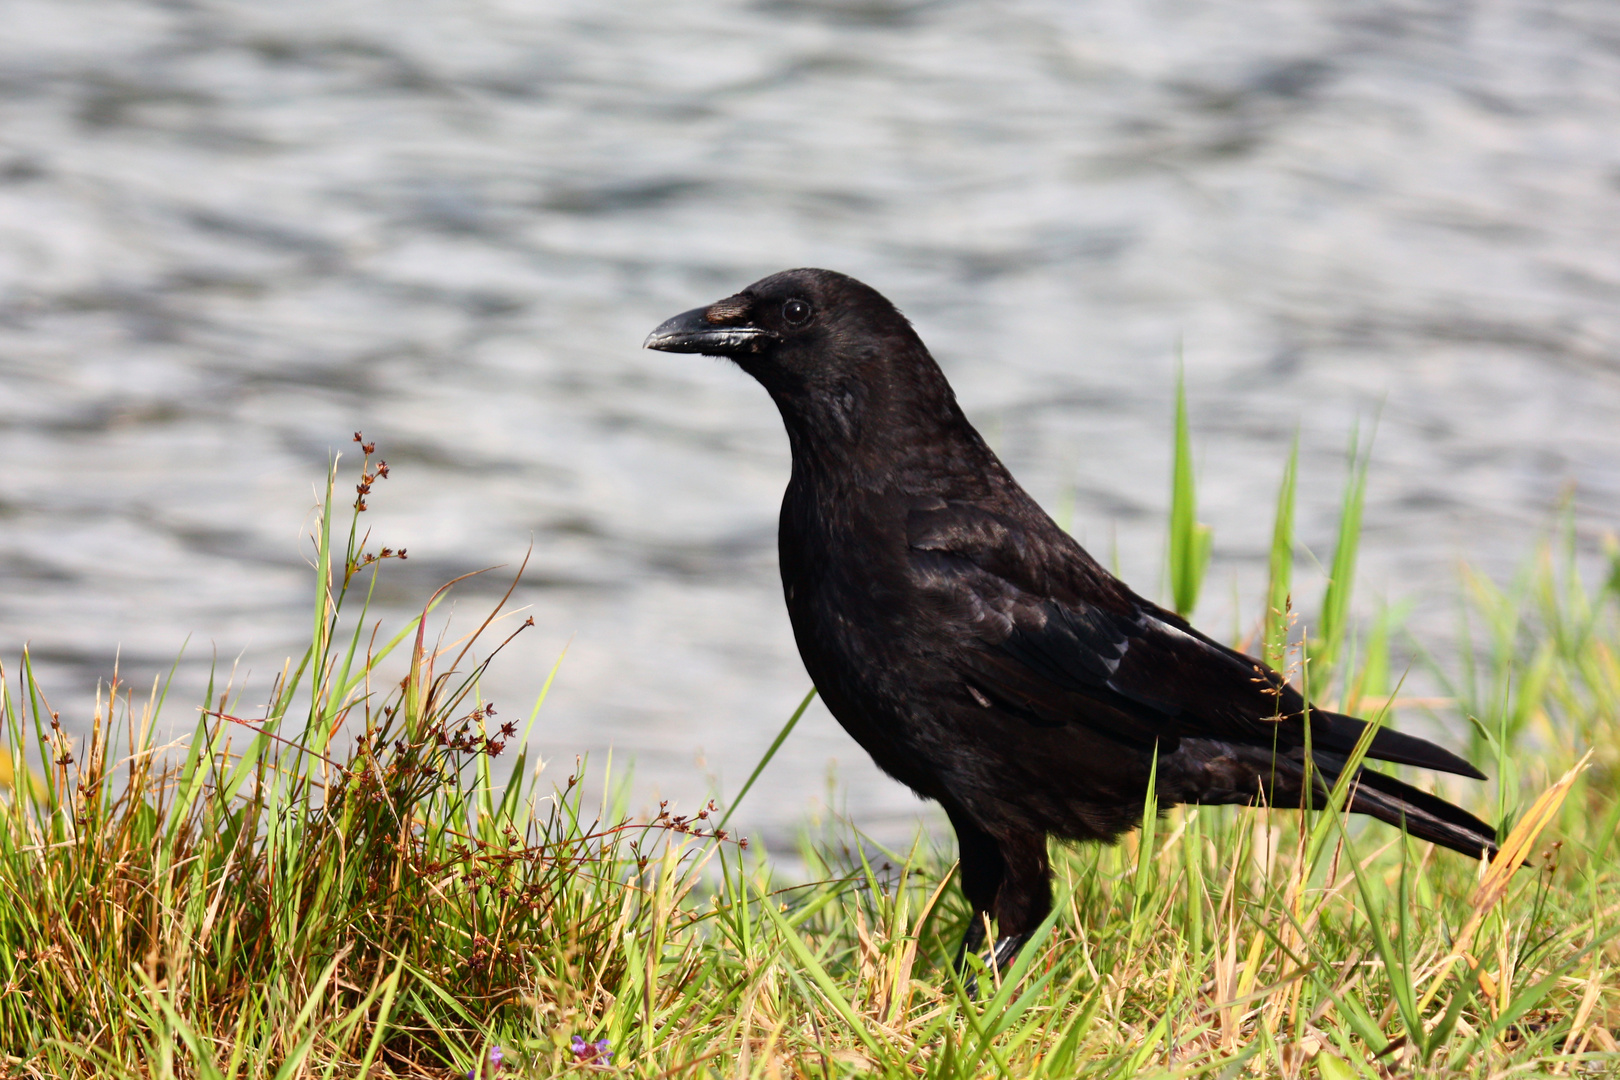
(847, 592)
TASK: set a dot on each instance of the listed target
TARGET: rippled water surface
(232, 234)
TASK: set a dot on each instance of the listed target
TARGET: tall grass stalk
(344, 883)
(1191, 541)
(1335, 617)
(1279, 591)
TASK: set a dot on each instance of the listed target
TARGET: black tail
(1376, 794)
(1340, 733)
(1278, 780)
(1425, 816)
(1387, 799)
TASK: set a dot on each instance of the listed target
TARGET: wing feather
(1054, 638)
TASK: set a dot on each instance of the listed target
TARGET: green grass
(1191, 541)
(339, 885)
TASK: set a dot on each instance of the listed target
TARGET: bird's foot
(1006, 949)
(1002, 954)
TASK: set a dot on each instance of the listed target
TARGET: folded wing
(1048, 635)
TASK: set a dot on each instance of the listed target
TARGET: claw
(1006, 950)
(1002, 954)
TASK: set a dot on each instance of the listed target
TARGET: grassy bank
(335, 883)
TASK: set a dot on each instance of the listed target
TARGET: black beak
(692, 332)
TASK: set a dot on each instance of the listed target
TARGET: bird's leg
(982, 869)
(1008, 878)
(1001, 955)
(1025, 896)
(972, 941)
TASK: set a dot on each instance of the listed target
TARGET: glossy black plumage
(973, 648)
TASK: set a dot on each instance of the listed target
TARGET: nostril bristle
(724, 311)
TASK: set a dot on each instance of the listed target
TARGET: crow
(976, 651)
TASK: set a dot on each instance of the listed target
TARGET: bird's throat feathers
(873, 416)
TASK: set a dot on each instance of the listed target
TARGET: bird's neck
(887, 442)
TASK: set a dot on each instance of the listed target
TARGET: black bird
(975, 650)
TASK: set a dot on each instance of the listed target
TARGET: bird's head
(830, 350)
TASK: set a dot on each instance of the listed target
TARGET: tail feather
(1339, 734)
(1279, 780)
(1425, 816)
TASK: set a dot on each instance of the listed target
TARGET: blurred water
(231, 234)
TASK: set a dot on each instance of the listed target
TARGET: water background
(231, 234)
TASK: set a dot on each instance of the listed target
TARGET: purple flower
(496, 1057)
(591, 1053)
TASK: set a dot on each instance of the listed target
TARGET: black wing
(1045, 633)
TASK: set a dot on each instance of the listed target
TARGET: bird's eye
(796, 312)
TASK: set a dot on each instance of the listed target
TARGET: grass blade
(1190, 539)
